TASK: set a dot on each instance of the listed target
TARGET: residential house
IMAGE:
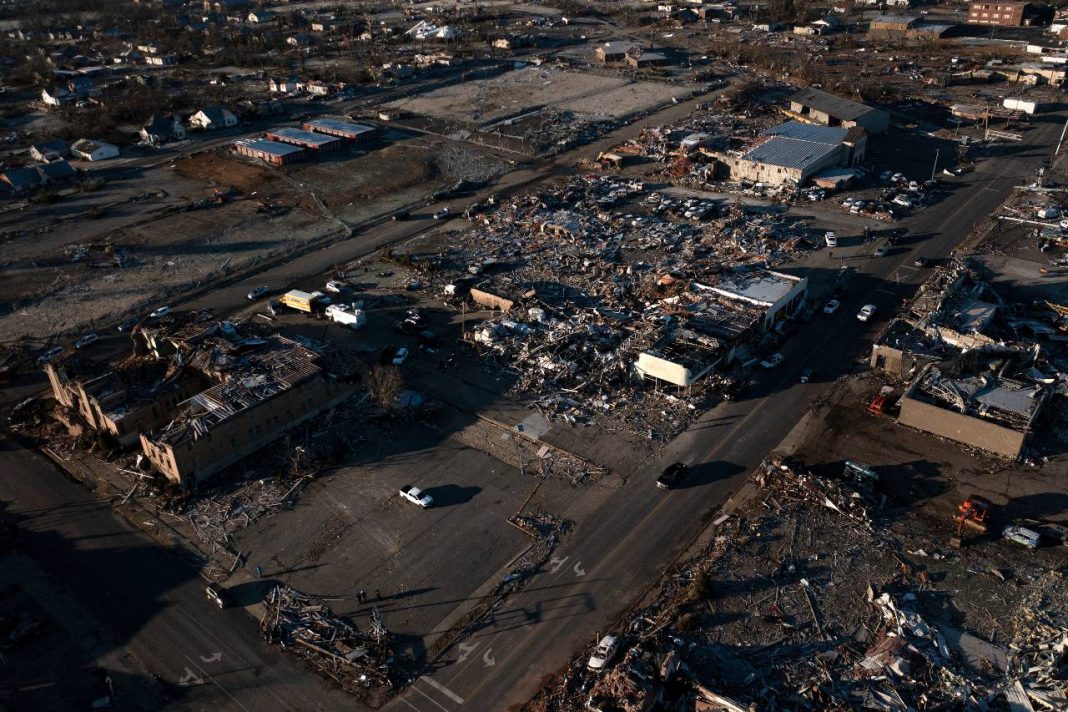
(83, 86)
(643, 59)
(57, 96)
(22, 180)
(50, 150)
(300, 39)
(91, 150)
(214, 117)
(284, 85)
(161, 60)
(615, 51)
(160, 129)
(29, 178)
(56, 171)
(260, 16)
(224, 6)
(319, 88)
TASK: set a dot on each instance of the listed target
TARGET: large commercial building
(317, 142)
(818, 107)
(779, 295)
(274, 152)
(1009, 14)
(341, 128)
(794, 153)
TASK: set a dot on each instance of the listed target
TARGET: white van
(831, 239)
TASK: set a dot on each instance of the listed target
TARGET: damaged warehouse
(970, 399)
(196, 395)
(266, 392)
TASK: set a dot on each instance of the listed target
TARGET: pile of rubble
(593, 272)
(819, 595)
(215, 518)
(529, 455)
(357, 660)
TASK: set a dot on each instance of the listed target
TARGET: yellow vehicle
(304, 301)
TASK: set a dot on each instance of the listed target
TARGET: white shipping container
(347, 315)
(1028, 107)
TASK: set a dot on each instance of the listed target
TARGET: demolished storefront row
(597, 295)
(974, 376)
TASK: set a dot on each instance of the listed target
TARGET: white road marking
(409, 704)
(487, 658)
(211, 658)
(579, 571)
(465, 650)
(432, 700)
(217, 684)
(555, 563)
(190, 679)
(443, 690)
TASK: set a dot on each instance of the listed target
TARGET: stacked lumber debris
(305, 625)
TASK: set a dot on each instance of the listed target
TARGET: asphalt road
(153, 606)
(148, 603)
(617, 553)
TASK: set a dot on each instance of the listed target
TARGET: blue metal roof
(308, 137)
(831, 135)
(790, 152)
(339, 125)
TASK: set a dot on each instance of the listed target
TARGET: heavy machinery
(971, 513)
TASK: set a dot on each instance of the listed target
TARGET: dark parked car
(129, 323)
(401, 215)
(672, 476)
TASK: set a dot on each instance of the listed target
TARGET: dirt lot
(358, 185)
(144, 236)
(69, 287)
(534, 88)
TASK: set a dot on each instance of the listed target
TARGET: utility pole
(1063, 131)
(934, 168)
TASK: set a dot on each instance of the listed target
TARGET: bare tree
(385, 384)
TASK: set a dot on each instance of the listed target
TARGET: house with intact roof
(214, 117)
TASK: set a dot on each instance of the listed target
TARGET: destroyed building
(778, 295)
(267, 388)
(681, 358)
(981, 399)
(819, 107)
(124, 399)
(954, 310)
(902, 349)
